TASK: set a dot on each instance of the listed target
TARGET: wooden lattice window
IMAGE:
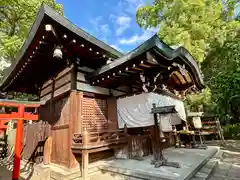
(94, 114)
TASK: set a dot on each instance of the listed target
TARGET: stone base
(190, 161)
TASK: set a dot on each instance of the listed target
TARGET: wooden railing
(100, 139)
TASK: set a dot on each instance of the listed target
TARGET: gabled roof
(35, 57)
(45, 15)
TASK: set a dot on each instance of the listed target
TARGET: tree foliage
(222, 74)
(192, 24)
(199, 101)
(16, 18)
(208, 29)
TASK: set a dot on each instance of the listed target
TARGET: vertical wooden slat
(72, 123)
(34, 134)
(60, 131)
(74, 76)
(78, 123)
(112, 113)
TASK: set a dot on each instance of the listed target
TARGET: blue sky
(112, 21)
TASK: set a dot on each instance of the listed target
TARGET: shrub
(232, 131)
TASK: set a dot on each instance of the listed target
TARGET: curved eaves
(162, 49)
(171, 54)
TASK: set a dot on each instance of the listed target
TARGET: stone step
(208, 169)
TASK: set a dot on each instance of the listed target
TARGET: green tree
(193, 24)
(199, 102)
(203, 27)
(222, 74)
(16, 18)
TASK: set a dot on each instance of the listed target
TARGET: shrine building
(96, 99)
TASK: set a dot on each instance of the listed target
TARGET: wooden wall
(33, 141)
(57, 85)
(72, 105)
(60, 131)
(57, 113)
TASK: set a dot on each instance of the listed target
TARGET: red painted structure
(20, 116)
(3, 127)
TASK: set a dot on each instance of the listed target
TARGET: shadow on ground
(6, 174)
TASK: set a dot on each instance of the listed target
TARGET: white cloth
(197, 122)
(135, 111)
(165, 123)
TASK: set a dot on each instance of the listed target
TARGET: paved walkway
(6, 174)
(229, 167)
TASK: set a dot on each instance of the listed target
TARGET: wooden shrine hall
(80, 79)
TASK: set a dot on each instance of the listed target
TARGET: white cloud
(123, 23)
(133, 5)
(99, 27)
(138, 38)
(95, 22)
(121, 20)
(105, 28)
(112, 17)
(116, 47)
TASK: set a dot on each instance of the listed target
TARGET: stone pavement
(190, 161)
(5, 174)
(229, 167)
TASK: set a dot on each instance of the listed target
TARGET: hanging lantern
(57, 53)
(109, 61)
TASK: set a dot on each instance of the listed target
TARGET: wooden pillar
(47, 151)
(156, 139)
(112, 113)
(73, 120)
(85, 156)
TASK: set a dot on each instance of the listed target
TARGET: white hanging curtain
(135, 111)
